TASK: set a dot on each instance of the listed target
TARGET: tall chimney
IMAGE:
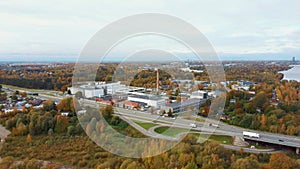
(157, 80)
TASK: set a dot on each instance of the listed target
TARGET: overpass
(281, 140)
(223, 128)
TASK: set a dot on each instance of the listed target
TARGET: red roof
(132, 104)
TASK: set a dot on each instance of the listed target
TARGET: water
(292, 74)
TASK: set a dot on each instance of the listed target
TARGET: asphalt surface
(222, 128)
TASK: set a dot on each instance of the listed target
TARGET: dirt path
(3, 134)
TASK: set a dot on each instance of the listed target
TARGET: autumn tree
(61, 124)
(49, 105)
(28, 138)
(280, 161)
(246, 163)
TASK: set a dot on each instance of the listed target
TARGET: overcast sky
(236, 28)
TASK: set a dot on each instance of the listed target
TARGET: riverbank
(292, 74)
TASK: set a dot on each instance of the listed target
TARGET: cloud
(233, 27)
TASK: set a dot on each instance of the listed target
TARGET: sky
(237, 29)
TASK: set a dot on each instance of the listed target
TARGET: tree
(178, 99)
(23, 94)
(176, 92)
(280, 161)
(170, 113)
(107, 112)
(264, 120)
(71, 131)
(49, 105)
(291, 130)
(61, 124)
(260, 99)
(239, 111)
(6, 162)
(245, 163)
(34, 125)
(22, 129)
(66, 104)
(28, 139)
(50, 132)
(79, 94)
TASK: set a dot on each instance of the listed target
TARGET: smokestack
(157, 80)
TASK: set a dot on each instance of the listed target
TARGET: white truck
(193, 125)
(250, 134)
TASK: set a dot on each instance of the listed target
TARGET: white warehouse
(150, 100)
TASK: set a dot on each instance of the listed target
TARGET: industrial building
(150, 100)
(199, 94)
(100, 89)
(178, 107)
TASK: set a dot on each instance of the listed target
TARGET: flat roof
(151, 97)
(183, 103)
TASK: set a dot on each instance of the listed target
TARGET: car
(214, 125)
(280, 140)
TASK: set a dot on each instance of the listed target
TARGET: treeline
(57, 78)
(148, 78)
(263, 111)
(39, 83)
(255, 72)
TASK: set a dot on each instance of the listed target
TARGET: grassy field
(218, 138)
(170, 131)
(30, 90)
(174, 131)
(145, 125)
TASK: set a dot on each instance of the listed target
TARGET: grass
(258, 146)
(28, 89)
(145, 125)
(194, 119)
(222, 139)
(167, 131)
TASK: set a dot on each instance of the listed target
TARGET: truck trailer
(250, 134)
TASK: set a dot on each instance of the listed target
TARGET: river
(292, 74)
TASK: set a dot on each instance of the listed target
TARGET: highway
(223, 128)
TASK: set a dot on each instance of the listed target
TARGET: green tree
(170, 113)
(71, 131)
(49, 105)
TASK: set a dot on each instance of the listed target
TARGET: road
(151, 133)
(222, 128)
